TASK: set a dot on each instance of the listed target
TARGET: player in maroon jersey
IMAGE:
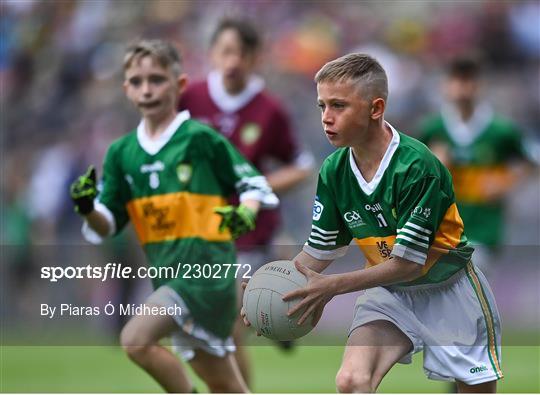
(233, 100)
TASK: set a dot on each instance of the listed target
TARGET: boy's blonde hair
(361, 69)
(161, 51)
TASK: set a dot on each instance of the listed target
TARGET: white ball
(263, 304)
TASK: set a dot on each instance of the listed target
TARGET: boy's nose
(326, 118)
(146, 89)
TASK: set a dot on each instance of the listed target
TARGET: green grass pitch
(306, 369)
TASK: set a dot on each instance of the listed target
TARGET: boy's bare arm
(287, 177)
(317, 265)
(98, 222)
(392, 271)
(320, 289)
(252, 204)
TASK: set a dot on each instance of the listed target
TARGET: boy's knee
(135, 345)
(348, 381)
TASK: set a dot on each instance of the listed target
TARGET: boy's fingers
(91, 172)
(295, 294)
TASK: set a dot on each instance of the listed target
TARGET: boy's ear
(377, 108)
(182, 82)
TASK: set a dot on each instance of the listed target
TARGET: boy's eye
(156, 79)
(135, 81)
(321, 106)
(338, 105)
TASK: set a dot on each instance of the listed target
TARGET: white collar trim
(153, 146)
(369, 187)
(232, 103)
(465, 132)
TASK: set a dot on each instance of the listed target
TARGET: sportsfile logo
(353, 219)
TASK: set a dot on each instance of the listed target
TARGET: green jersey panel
(407, 210)
(169, 191)
(476, 165)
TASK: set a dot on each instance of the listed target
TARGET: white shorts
(456, 323)
(190, 335)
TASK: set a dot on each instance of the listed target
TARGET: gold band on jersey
(447, 237)
(472, 183)
(488, 317)
(176, 216)
(376, 249)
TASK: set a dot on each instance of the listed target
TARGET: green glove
(83, 191)
(238, 220)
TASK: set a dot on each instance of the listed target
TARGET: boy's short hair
(249, 36)
(465, 67)
(161, 51)
(361, 69)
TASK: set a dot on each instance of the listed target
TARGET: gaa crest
(250, 133)
(184, 172)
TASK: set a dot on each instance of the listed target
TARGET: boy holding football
(390, 194)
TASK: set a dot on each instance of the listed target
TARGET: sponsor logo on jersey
(353, 219)
(159, 215)
(318, 208)
(421, 212)
(153, 169)
(250, 133)
(184, 172)
(226, 123)
(384, 249)
(374, 208)
(478, 369)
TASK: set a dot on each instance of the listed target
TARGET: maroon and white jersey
(257, 125)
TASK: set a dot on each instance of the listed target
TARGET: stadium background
(62, 104)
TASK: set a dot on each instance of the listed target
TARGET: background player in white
(233, 99)
(391, 195)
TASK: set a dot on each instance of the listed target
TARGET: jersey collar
(232, 103)
(369, 187)
(465, 132)
(153, 146)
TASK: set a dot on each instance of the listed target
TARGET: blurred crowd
(62, 101)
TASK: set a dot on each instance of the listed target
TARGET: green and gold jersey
(481, 152)
(169, 188)
(406, 210)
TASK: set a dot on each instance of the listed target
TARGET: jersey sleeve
(516, 146)
(114, 193)
(238, 175)
(420, 210)
(329, 237)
